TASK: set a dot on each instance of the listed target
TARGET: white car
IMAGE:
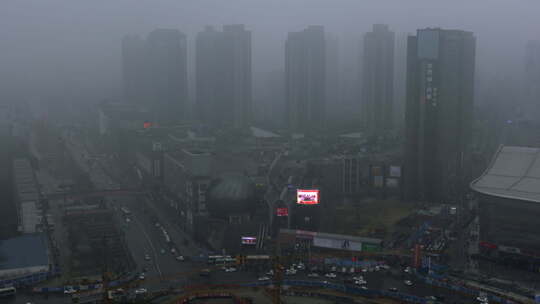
(180, 258)
(69, 290)
(364, 270)
(360, 282)
(407, 270)
(358, 278)
(330, 275)
(264, 279)
(364, 287)
(142, 276)
(270, 272)
(482, 299)
(290, 272)
(408, 282)
(313, 275)
(231, 269)
(147, 257)
(141, 291)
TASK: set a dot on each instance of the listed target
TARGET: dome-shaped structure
(231, 194)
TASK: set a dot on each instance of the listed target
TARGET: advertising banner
(337, 244)
(395, 171)
(307, 197)
(249, 240)
(376, 171)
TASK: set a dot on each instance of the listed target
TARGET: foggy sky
(55, 46)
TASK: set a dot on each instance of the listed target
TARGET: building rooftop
(28, 250)
(514, 173)
(260, 133)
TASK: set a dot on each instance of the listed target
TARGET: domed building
(232, 195)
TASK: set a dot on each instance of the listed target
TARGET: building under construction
(95, 241)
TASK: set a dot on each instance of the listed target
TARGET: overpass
(93, 193)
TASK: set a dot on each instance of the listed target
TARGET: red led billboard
(282, 211)
(307, 197)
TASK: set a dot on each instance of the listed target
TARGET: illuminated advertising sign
(395, 171)
(249, 240)
(307, 197)
(282, 211)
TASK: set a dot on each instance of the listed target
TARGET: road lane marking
(151, 245)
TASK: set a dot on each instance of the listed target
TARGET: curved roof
(231, 193)
(513, 173)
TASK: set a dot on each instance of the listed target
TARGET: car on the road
(142, 276)
(128, 220)
(180, 258)
(173, 250)
(69, 290)
(482, 299)
(358, 278)
(407, 269)
(313, 275)
(360, 282)
(141, 291)
(264, 278)
(290, 272)
(147, 257)
(270, 272)
(300, 266)
(230, 269)
(408, 282)
(364, 287)
(364, 270)
(333, 268)
(331, 275)
(392, 289)
(157, 224)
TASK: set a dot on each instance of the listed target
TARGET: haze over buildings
(224, 76)
(141, 140)
(378, 80)
(305, 80)
(155, 74)
(440, 90)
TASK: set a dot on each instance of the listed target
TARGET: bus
(7, 292)
(125, 211)
(220, 259)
